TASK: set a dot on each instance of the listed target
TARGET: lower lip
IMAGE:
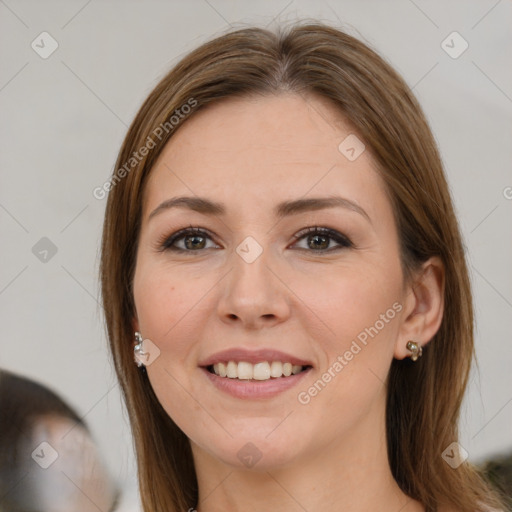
(249, 389)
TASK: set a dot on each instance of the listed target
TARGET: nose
(253, 295)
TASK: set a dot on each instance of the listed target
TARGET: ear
(423, 307)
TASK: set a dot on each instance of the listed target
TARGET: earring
(415, 349)
(138, 350)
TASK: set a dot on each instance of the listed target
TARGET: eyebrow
(284, 209)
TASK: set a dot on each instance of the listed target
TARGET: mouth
(254, 374)
(258, 381)
(261, 371)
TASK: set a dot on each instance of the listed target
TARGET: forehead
(278, 146)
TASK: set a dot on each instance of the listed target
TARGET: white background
(63, 120)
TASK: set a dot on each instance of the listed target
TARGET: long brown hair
(424, 399)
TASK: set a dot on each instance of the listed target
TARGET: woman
(281, 259)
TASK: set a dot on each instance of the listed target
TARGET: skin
(250, 154)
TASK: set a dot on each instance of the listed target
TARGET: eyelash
(166, 242)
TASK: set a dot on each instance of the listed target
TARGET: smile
(254, 374)
(250, 387)
(261, 371)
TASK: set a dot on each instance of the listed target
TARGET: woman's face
(266, 271)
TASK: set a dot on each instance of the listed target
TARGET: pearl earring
(138, 349)
(415, 349)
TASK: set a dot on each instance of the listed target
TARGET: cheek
(164, 298)
(368, 346)
(170, 314)
(348, 299)
(364, 302)
(359, 309)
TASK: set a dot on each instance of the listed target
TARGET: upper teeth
(258, 371)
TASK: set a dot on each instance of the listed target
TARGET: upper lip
(253, 356)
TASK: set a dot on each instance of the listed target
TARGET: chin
(257, 452)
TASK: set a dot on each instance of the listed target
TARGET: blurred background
(74, 73)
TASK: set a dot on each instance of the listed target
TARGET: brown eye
(187, 240)
(194, 242)
(319, 239)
